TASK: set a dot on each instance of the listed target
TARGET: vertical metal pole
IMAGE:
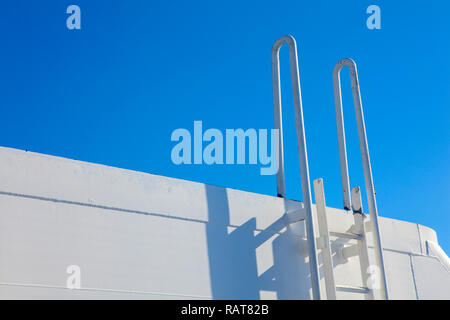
(359, 218)
(341, 136)
(301, 144)
(281, 192)
(327, 260)
(365, 159)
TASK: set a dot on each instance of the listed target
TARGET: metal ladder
(358, 232)
(301, 145)
(352, 200)
(370, 190)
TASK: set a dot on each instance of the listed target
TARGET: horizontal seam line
(99, 289)
(161, 215)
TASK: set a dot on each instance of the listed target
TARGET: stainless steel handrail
(365, 159)
(301, 144)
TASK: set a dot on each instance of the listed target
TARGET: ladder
(364, 148)
(359, 232)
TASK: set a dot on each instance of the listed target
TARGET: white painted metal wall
(137, 235)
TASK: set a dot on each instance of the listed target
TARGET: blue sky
(113, 92)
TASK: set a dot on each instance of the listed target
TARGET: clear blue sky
(113, 92)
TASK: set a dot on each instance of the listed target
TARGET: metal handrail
(301, 144)
(364, 155)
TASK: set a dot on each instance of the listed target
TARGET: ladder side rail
(281, 192)
(301, 145)
(365, 159)
(341, 136)
(359, 217)
(327, 261)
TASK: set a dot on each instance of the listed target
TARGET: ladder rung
(347, 235)
(353, 289)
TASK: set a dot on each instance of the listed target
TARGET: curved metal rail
(301, 144)
(364, 155)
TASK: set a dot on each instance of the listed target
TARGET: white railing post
(359, 217)
(327, 260)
